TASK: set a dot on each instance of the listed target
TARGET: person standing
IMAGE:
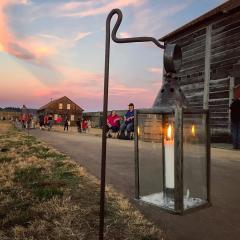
(128, 123)
(89, 125)
(66, 124)
(78, 123)
(50, 122)
(84, 125)
(46, 121)
(235, 122)
(41, 121)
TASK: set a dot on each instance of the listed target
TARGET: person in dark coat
(235, 122)
(66, 124)
(41, 121)
(78, 123)
(128, 123)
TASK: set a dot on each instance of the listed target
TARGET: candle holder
(172, 152)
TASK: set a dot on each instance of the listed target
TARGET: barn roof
(57, 100)
(216, 12)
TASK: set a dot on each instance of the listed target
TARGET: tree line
(10, 109)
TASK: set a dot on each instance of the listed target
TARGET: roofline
(74, 103)
(55, 100)
(218, 11)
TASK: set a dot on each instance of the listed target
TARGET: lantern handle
(127, 40)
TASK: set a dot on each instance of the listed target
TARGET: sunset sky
(52, 48)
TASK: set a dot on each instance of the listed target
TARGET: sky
(55, 48)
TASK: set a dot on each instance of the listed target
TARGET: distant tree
(11, 109)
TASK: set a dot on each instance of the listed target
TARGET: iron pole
(105, 101)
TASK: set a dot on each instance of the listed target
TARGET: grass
(4, 158)
(45, 195)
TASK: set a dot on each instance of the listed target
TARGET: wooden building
(63, 108)
(7, 115)
(211, 63)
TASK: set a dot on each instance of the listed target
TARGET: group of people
(83, 125)
(26, 120)
(123, 126)
(123, 129)
(46, 121)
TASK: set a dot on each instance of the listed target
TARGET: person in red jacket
(113, 123)
(84, 125)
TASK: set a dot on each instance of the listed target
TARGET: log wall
(223, 68)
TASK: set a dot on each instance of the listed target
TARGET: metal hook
(127, 40)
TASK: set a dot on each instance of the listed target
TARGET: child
(84, 125)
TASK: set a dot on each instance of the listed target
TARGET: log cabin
(210, 74)
(64, 108)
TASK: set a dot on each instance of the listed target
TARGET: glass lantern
(172, 158)
(172, 154)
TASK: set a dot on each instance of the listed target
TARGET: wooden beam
(207, 66)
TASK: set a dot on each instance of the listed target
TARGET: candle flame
(169, 132)
(138, 131)
(193, 130)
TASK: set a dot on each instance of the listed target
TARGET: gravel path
(219, 222)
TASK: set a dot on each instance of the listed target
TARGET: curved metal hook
(127, 40)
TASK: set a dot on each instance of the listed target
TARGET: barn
(210, 74)
(64, 108)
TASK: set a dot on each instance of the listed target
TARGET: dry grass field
(46, 196)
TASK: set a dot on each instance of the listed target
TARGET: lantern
(172, 152)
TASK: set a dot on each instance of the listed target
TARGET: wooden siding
(191, 75)
(224, 66)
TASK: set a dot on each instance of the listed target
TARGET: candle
(169, 158)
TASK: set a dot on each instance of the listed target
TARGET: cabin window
(72, 117)
(68, 106)
(60, 106)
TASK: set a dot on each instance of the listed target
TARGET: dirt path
(221, 221)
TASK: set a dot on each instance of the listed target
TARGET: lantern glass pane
(194, 160)
(153, 176)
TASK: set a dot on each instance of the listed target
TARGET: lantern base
(169, 193)
(160, 200)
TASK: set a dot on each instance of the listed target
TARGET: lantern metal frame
(178, 156)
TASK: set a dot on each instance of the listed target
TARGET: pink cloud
(156, 70)
(59, 42)
(149, 18)
(26, 49)
(74, 5)
(88, 88)
(39, 49)
(92, 8)
(124, 35)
